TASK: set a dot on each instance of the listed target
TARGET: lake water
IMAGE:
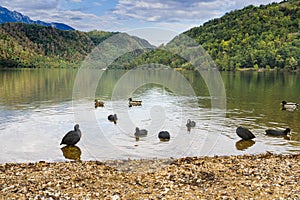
(39, 106)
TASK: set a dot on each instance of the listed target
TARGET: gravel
(262, 176)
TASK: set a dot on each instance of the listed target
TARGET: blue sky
(174, 16)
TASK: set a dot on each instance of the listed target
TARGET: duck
(277, 132)
(113, 118)
(134, 103)
(164, 135)
(98, 103)
(190, 123)
(140, 132)
(244, 133)
(289, 105)
(72, 137)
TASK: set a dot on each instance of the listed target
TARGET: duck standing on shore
(134, 102)
(72, 137)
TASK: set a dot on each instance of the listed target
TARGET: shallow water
(39, 106)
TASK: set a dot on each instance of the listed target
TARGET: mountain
(13, 16)
(266, 37)
(32, 45)
(255, 37)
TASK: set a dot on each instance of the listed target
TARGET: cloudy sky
(127, 15)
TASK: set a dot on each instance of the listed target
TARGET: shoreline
(261, 176)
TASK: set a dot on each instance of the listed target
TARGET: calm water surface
(38, 107)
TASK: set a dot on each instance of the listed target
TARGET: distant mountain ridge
(14, 16)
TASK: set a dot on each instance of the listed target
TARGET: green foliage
(253, 37)
(265, 36)
(99, 36)
(27, 45)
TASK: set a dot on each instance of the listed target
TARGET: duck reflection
(71, 152)
(244, 144)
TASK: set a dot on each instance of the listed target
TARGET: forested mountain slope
(260, 37)
(27, 45)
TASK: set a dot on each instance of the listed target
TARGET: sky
(168, 17)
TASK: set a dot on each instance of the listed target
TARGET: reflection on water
(37, 110)
(28, 88)
(244, 144)
(71, 152)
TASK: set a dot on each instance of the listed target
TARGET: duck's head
(287, 131)
(76, 127)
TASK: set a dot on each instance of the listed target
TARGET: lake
(38, 106)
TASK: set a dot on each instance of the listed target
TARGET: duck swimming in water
(113, 118)
(244, 133)
(164, 135)
(277, 132)
(140, 132)
(290, 106)
(134, 103)
(98, 103)
(190, 124)
(72, 137)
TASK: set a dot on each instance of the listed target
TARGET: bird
(289, 105)
(98, 103)
(72, 137)
(164, 135)
(190, 123)
(134, 103)
(244, 133)
(113, 118)
(277, 132)
(140, 132)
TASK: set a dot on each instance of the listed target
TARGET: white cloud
(23, 5)
(170, 10)
(178, 15)
(50, 11)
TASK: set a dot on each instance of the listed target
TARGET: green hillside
(254, 37)
(27, 45)
(265, 37)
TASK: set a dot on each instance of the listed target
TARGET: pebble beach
(262, 176)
